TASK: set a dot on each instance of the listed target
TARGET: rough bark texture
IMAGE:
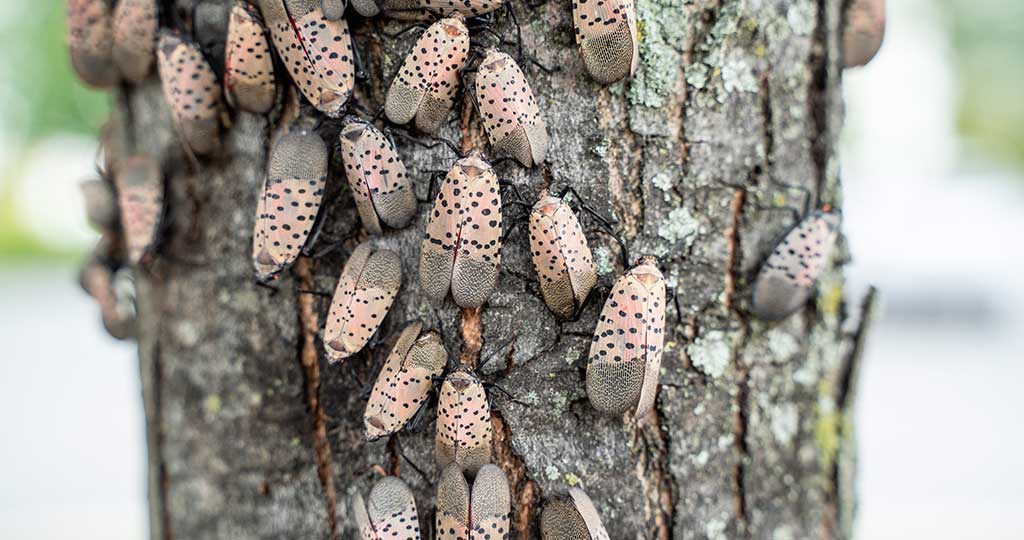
(253, 435)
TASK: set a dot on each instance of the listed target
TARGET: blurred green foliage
(37, 75)
(988, 47)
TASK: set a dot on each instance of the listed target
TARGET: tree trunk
(252, 435)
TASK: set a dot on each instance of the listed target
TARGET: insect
(134, 27)
(625, 354)
(114, 294)
(380, 184)
(90, 41)
(425, 86)
(477, 514)
(390, 513)
(786, 280)
(606, 35)
(404, 381)
(864, 32)
(561, 255)
(469, 8)
(100, 203)
(288, 207)
(509, 111)
(366, 289)
(192, 91)
(333, 9)
(249, 82)
(463, 422)
(317, 52)
(571, 518)
(461, 249)
(140, 191)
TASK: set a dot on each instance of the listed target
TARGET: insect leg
(606, 224)
(393, 35)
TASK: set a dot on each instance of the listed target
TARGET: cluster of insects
(460, 255)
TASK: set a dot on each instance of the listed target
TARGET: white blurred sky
(940, 444)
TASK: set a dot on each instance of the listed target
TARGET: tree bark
(252, 435)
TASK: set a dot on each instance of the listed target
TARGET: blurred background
(933, 170)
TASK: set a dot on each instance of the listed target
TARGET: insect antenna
(393, 35)
(429, 145)
(606, 224)
(398, 448)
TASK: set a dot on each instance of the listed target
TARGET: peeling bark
(251, 433)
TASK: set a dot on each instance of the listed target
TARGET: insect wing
(379, 181)
(787, 278)
(561, 256)
(463, 423)
(490, 504)
(192, 92)
(90, 40)
(368, 286)
(249, 68)
(478, 251)
(292, 194)
(141, 199)
(452, 517)
(606, 34)
(392, 510)
(509, 110)
(135, 26)
(437, 252)
(589, 514)
(469, 8)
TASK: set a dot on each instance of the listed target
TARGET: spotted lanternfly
(249, 82)
(473, 515)
(787, 278)
(865, 29)
(469, 8)
(292, 193)
(90, 41)
(333, 9)
(140, 190)
(106, 287)
(192, 91)
(100, 203)
(390, 513)
(135, 25)
(461, 250)
(368, 286)
(571, 518)
(561, 255)
(380, 184)
(426, 83)
(606, 35)
(625, 355)
(316, 51)
(509, 111)
(463, 422)
(404, 381)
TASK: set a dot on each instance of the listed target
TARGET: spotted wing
(249, 81)
(491, 503)
(392, 510)
(509, 110)
(576, 252)
(191, 90)
(453, 496)
(654, 338)
(383, 408)
(134, 27)
(552, 272)
(437, 252)
(442, 81)
(366, 290)
(615, 371)
(292, 193)
(90, 38)
(141, 198)
(589, 514)
(328, 46)
(378, 178)
(469, 8)
(463, 423)
(606, 32)
(478, 252)
(362, 519)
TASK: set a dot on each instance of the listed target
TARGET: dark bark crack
(525, 492)
(818, 98)
(309, 361)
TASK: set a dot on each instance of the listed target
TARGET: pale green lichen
(680, 225)
(785, 420)
(603, 261)
(662, 30)
(711, 353)
(782, 344)
(801, 17)
(601, 149)
(551, 472)
(212, 405)
(571, 479)
(663, 181)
